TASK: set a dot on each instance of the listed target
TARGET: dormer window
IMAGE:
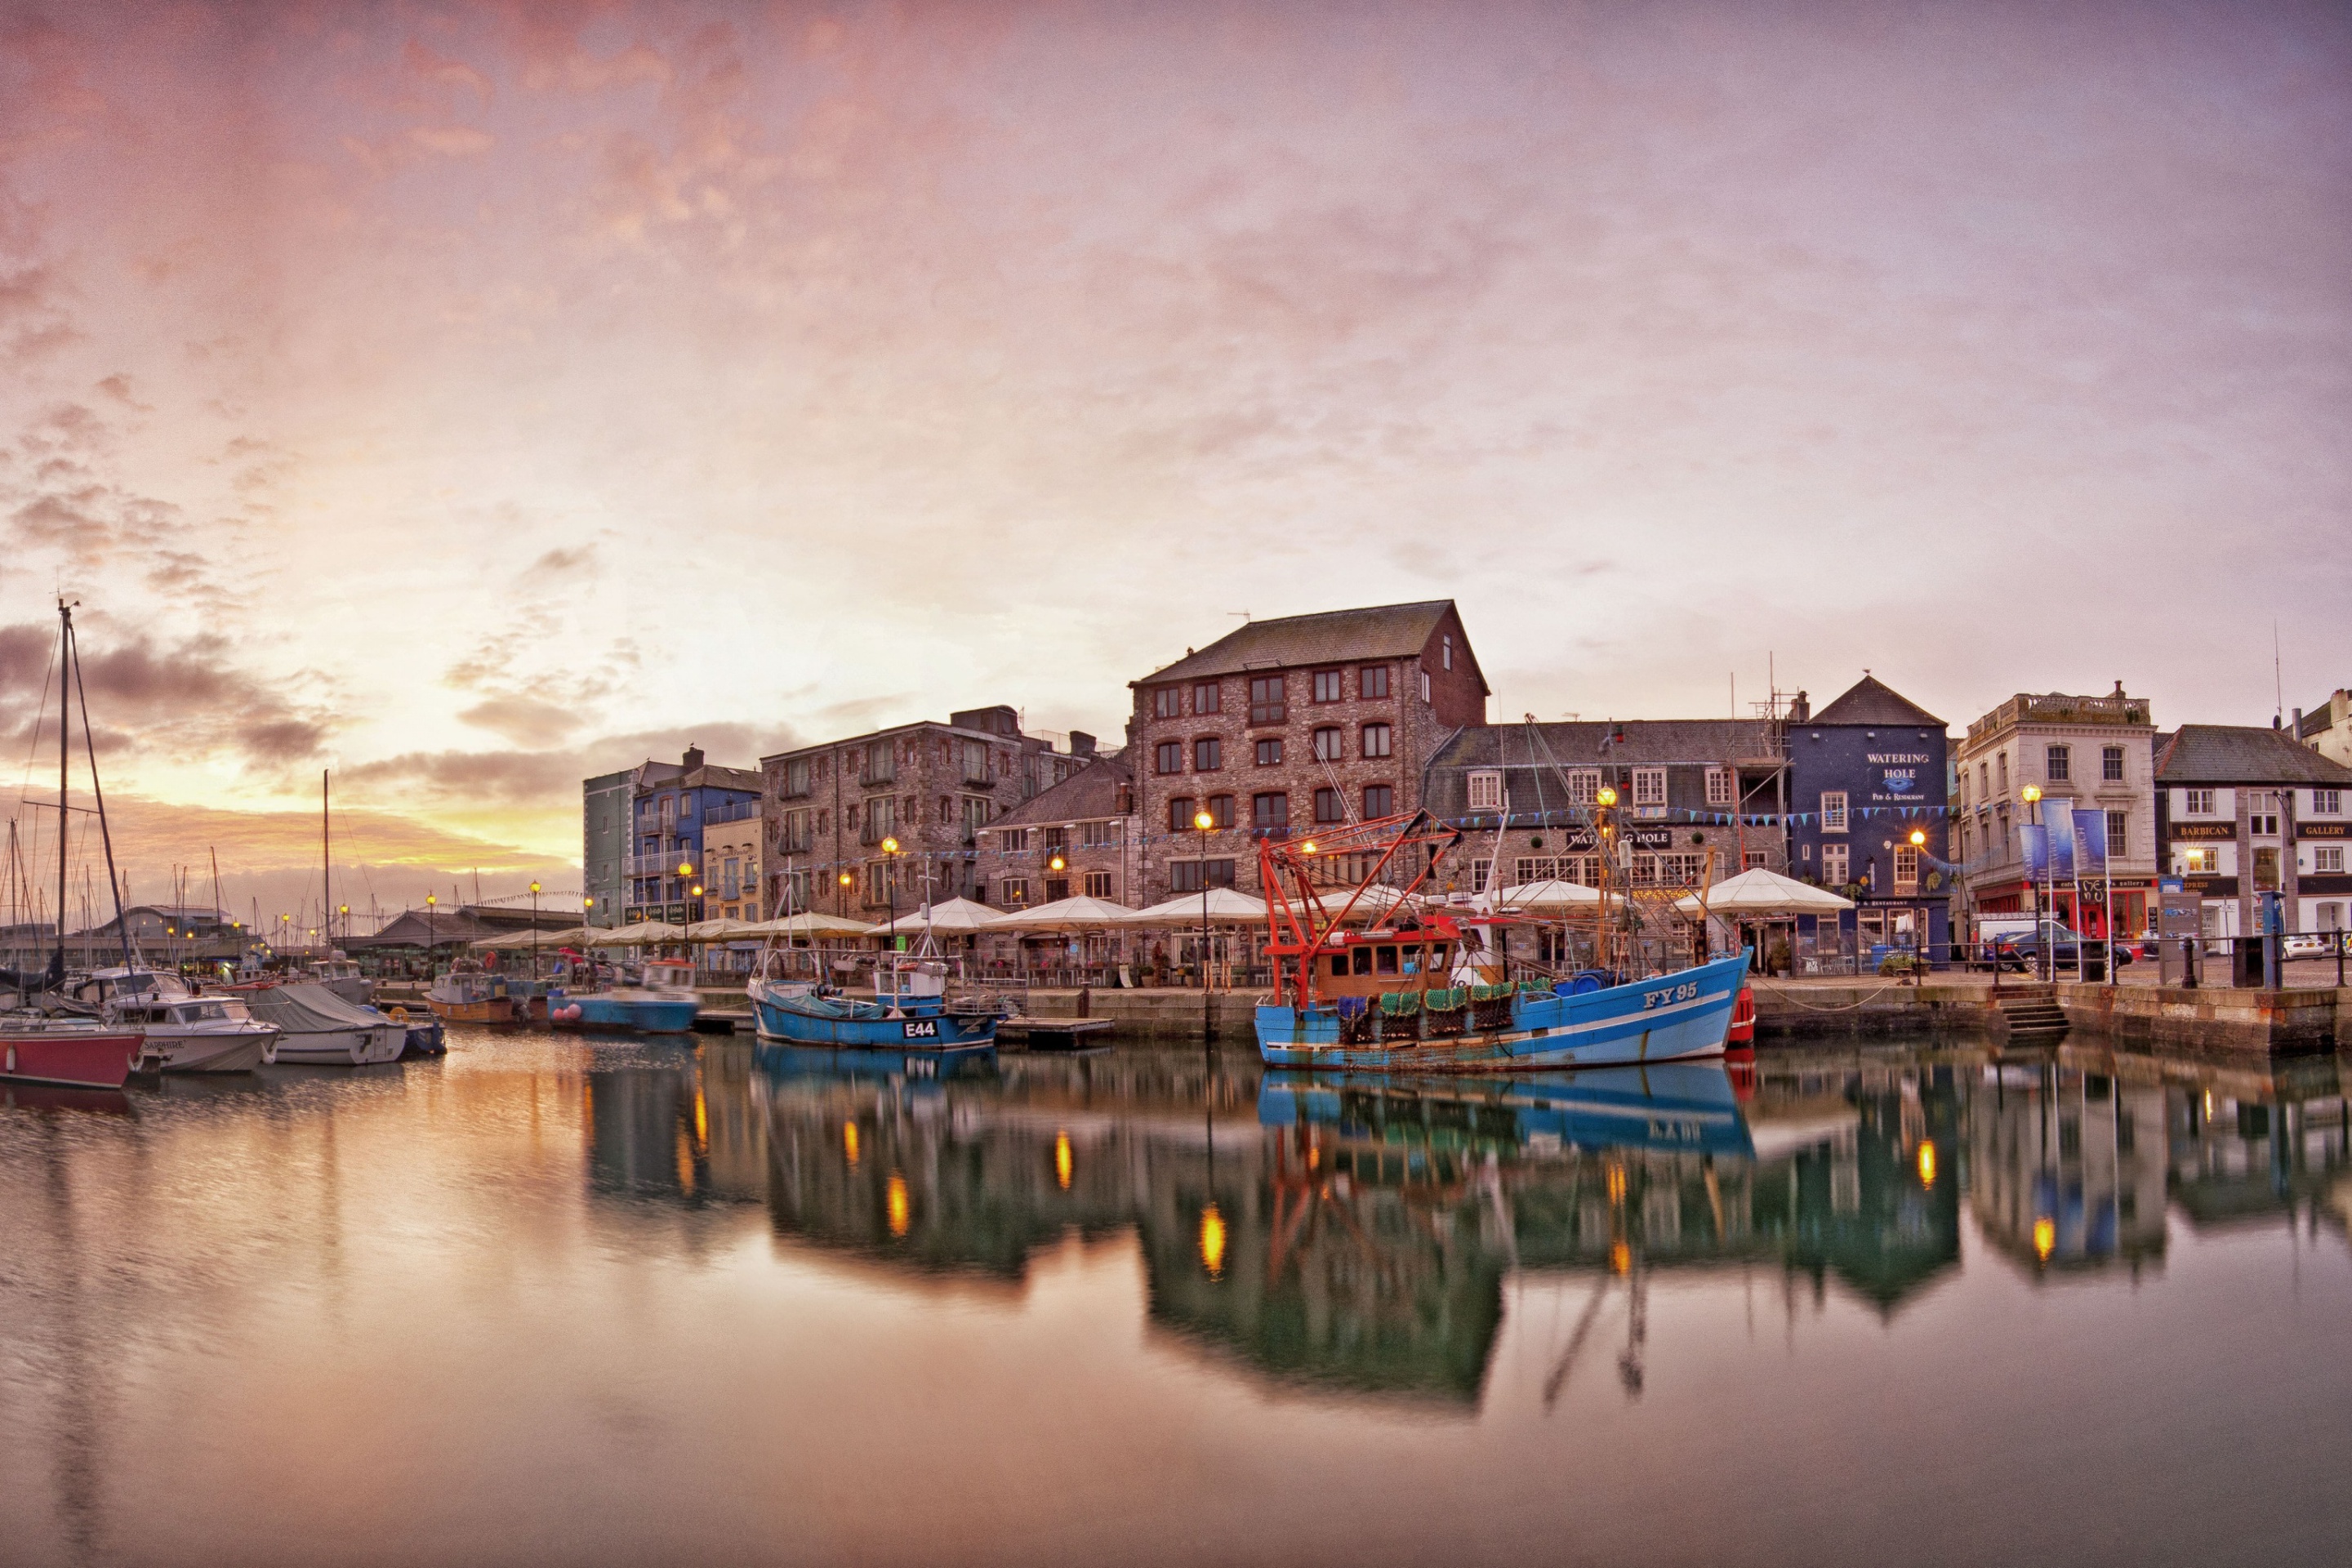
(1486, 789)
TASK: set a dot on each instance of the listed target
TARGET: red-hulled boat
(73, 1052)
(80, 1056)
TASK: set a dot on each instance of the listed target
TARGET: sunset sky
(471, 398)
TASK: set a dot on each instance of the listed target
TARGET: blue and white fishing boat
(1419, 992)
(665, 1004)
(908, 1010)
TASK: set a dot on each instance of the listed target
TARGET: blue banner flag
(2033, 841)
(2091, 842)
(2059, 818)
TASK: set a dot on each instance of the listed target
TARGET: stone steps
(2033, 1010)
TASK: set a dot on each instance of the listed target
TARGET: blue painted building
(1865, 774)
(673, 803)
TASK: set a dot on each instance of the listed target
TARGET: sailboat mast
(326, 866)
(65, 620)
(97, 796)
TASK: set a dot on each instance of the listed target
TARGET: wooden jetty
(1055, 1033)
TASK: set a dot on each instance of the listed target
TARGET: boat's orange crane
(1299, 918)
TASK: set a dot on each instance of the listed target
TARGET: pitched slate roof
(2242, 753)
(1092, 792)
(1333, 636)
(1627, 743)
(1872, 701)
(1634, 742)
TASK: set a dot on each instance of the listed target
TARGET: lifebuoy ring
(398, 1014)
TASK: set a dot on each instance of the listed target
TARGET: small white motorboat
(199, 1034)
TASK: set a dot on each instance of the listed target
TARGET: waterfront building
(1076, 840)
(1866, 772)
(2092, 753)
(607, 804)
(672, 808)
(2327, 729)
(1689, 791)
(1282, 725)
(880, 821)
(2243, 811)
(732, 882)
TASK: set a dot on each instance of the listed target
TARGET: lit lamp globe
(1203, 821)
(1918, 836)
(2032, 794)
(1057, 863)
(1607, 796)
(846, 878)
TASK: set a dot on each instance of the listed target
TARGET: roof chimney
(2119, 689)
(2274, 720)
(1081, 743)
(1800, 710)
(693, 758)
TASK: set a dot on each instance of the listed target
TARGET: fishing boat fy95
(1417, 989)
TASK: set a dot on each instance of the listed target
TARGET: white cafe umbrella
(950, 917)
(721, 929)
(1760, 893)
(644, 934)
(1548, 896)
(1225, 906)
(808, 922)
(1063, 914)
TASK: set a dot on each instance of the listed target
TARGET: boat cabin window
(1362, 960)
(1386, 962)
(1338, 965)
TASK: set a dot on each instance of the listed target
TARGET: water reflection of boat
(848, 1062)
(1685, 1107)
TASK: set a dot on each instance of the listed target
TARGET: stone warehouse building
(833, 810)
(1685, 788)
(1076, 840)
(1285, 725)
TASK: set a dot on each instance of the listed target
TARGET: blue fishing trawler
(1424, 992)
(908, 1010)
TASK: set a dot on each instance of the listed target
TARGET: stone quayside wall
(2212, 1019)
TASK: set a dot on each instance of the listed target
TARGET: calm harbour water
(556, 1301)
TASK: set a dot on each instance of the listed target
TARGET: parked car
(2318, 944)
(2021, 953)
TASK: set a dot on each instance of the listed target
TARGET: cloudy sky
(468, 398)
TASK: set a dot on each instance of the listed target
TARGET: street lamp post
(1202, 823)
(430, 900)
(2032, 794)
(1606, 799)
(534, 931)
(890, 888)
